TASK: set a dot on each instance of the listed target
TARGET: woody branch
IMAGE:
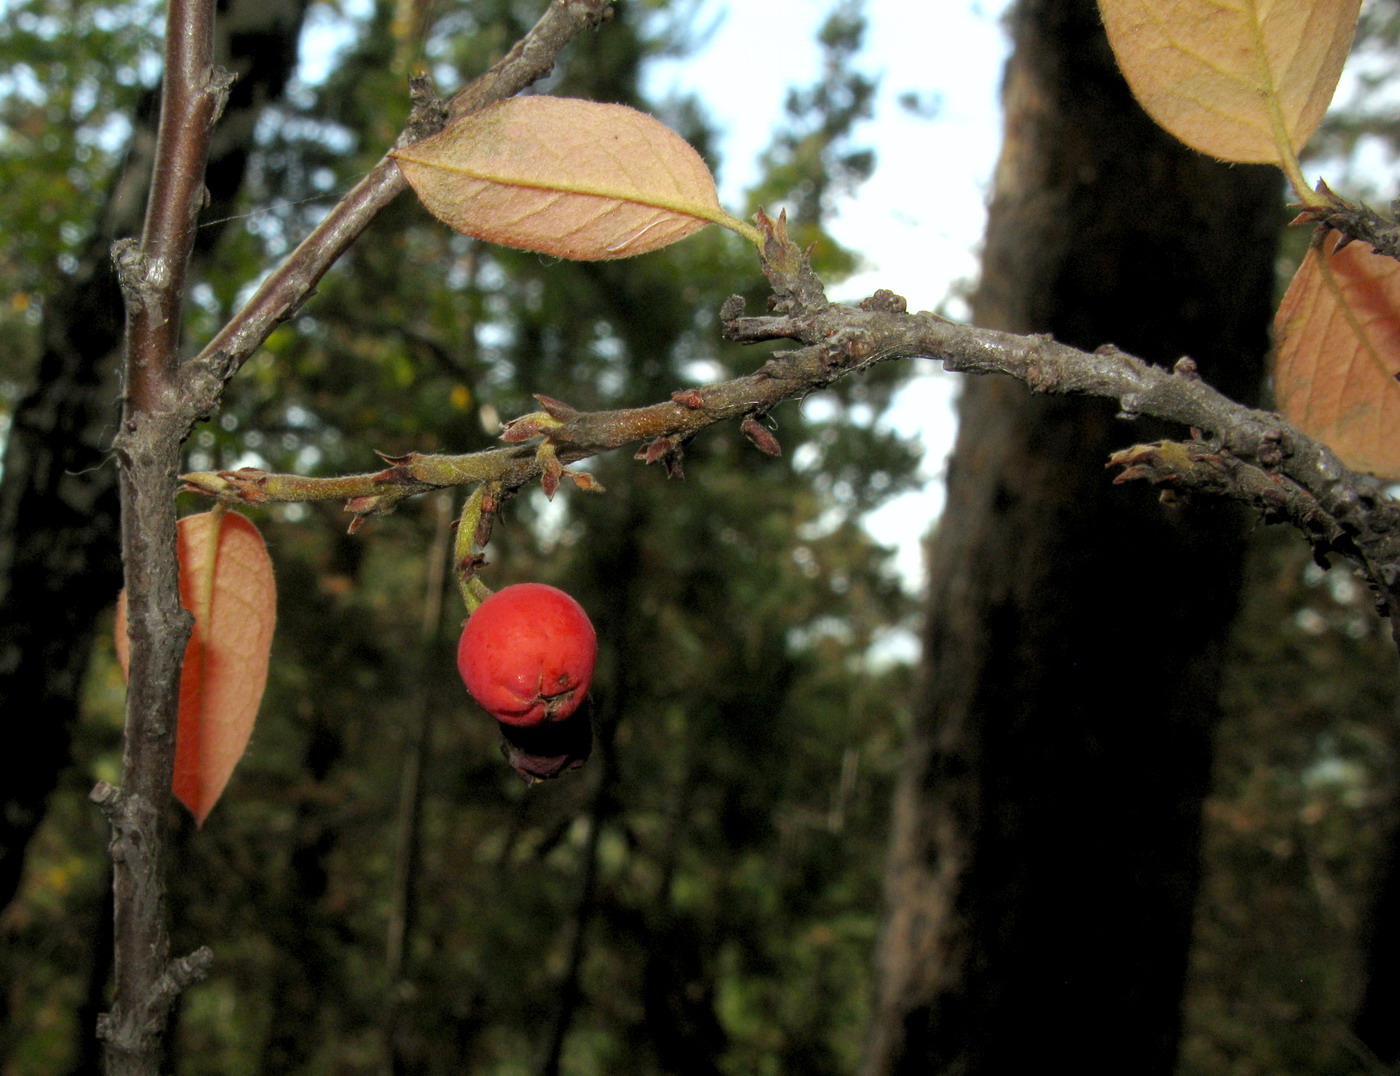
(1256, 457)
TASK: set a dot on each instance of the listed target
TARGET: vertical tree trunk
(60, 563)
(1377, 1022)
(1044, 855)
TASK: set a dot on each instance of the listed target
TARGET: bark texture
(1044, 856)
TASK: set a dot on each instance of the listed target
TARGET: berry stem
(474, 592)
(473, 529)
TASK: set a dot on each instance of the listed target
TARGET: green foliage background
(702, 896)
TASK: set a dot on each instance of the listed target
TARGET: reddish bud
(666, 450)
(526, 427)
(761, 436)
(482, 535)
(556, 408)
(654, 450)
(550, 479)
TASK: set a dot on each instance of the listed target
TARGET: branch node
(428, 115)
(133, 269)
(108, 798)
(184, 972)
(668, 451)
(796, 288)
(885, 301)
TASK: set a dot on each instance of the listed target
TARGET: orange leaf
(226, 582)
(1338, 354)
(1242, 80)
(575, 179)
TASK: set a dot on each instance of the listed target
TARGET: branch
(1256, 457)
(1253, 456)
(292, 282)
(162, 401)
(1353, 220)
(152, 277)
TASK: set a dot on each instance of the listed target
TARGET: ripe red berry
(527, 653)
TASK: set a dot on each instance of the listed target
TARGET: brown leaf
(1338, 337)
(575, 179)
(226, 582)
(1242, 80)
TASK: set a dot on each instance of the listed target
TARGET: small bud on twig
(761, 436)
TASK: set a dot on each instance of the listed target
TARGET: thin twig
(162, 401)
(403, 893)
(1257, 457)
(292, 282)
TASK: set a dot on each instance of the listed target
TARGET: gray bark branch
(1256, 457)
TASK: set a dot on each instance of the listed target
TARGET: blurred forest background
(380, 890)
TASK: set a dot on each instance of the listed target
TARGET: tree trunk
(60, 564)
(1043, 862)
(1377, 1022)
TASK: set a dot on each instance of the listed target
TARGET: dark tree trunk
(1377, 1023)
(60, 565)
(1044, 856)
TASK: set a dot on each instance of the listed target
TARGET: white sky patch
(919, 220)
(328, 32)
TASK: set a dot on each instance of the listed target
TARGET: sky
(920, 217)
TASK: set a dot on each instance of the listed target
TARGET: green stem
(744, 228)
(466, 552)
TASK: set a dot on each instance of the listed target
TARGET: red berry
(527, 654)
